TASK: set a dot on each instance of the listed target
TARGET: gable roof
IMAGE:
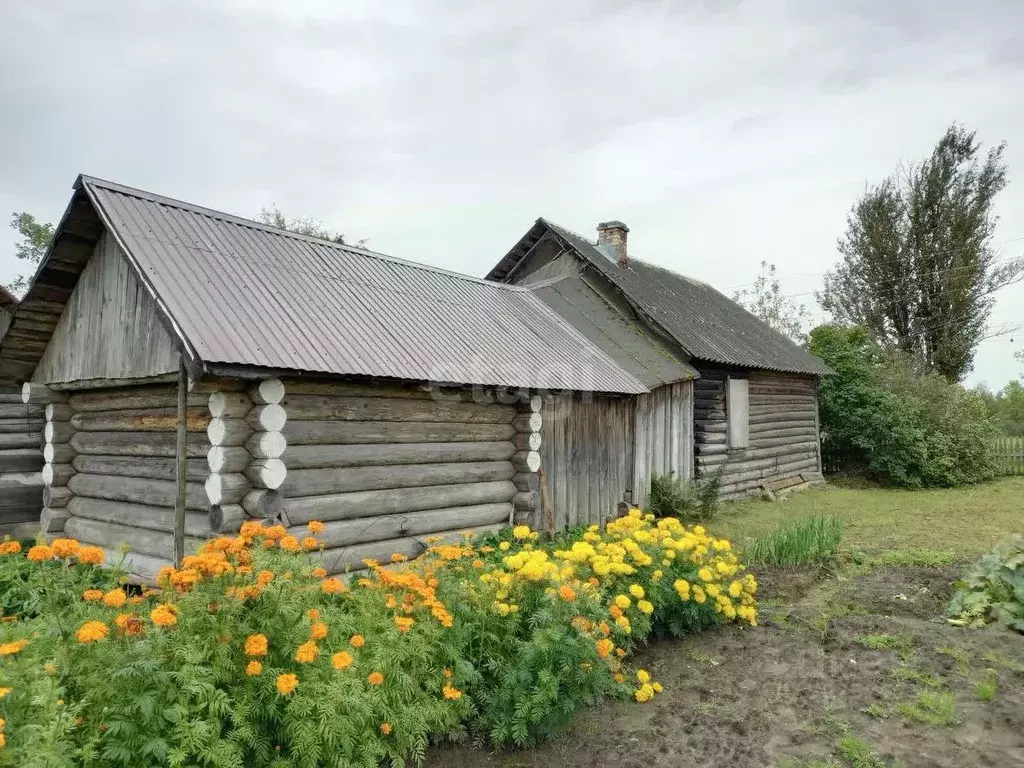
(626, 341)
(704, 322)
(237, 293)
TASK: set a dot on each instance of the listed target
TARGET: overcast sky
(723, 134)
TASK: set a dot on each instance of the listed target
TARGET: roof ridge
(231, 218)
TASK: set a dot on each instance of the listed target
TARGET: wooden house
(21, 484)
(727, 391)
(316, 381)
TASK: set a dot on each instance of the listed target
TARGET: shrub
(881, 416)
(251, 656)
(688, 500)
(811, 540)
(992, 590)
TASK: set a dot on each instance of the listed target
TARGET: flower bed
(250, 655)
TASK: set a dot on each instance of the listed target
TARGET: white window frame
(737, 412)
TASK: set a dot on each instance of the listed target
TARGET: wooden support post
(181, 455)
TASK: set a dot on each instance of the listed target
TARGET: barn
(317, 381)
(21, 485)
(727, 392)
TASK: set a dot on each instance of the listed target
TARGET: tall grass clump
(811, 540)
(687, 500)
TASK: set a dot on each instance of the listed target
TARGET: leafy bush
(992, 590)
(689, 500)
(250, 655)
(811, 540)
(882, 417)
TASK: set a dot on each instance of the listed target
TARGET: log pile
(386, 467)
(783, 430)
(21, 482)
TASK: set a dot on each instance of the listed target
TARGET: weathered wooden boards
(21, 482)
(783, 432)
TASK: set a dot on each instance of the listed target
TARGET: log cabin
(21, 482)
(727, 392)
(185, 358)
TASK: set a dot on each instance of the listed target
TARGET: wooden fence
(1010, 455)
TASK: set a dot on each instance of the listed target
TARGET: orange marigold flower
(307, 652)
(256, 645)
(318, 631)
(10, 547)
(592, 581)
(286, 683)
(567, 593)
(357, 641)
(115, 598)
(404, 623)
(451, 693)
(164, 615)
(289, 543)
(447, 673)
(615, 611)
(315, 527)
(332, 586)
(64, 547)
(92, 631)
(250, 529)
(92, 595)
(15, 646)
(90, 555)
(275, 532)
(398, 557)
(385, 728)
(309, 543)
(320, 572)
(605, 629)
(604, 647)
(129, 624)
(478, 564)
(253, 668)
(264, 577)
(376, 678)
(40, 553)
(341, 660)
(313, 614)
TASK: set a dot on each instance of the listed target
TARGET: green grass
(985, 690)
(876, 710)
(959, 655)
(935, 708)
(909, 674)
(811, 540)
(929, 558)
(903, 644)
(965, 521)
(857, 752)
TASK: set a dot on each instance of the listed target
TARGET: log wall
(386, 467)
(784, 449)
(21, 462)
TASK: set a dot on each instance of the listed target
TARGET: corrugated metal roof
(704, 322)
(242, 293)
(625, 341)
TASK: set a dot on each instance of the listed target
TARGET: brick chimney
(613, 233)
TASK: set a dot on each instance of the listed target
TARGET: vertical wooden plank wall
(21, 483)
(664, 436)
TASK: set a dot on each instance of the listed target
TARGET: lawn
(852, 666)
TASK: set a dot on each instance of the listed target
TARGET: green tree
(33, 239)
(918, 270)
(307, 225)
(766, 300)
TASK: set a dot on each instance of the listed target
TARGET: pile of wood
(783, 433)
(21, 482)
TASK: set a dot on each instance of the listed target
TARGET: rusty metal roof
(704, 322)
(236, 292)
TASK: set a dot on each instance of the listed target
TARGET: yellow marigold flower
(115, 598)
(623, 623)
(735, 589)
(316, 527)
(385, 728)
(256, 645)
(286, 683)
(253, 668)
(504, 546)
(645, 606)
(11, 547)
(658, 688)
(164, 615)
(332, 586)
(341, 660)
(522, 532)
(5, 691)
(307, 653)
(636, 591)
(623, 602)
(309, 543)
(320, 572)
(698, 595)
(657, 575)
(92, 595)
(3, 740)
(92, 631)
(643, 676)
(644, 693)
(64, 547)
(502, 609)
(318, 631)
(289, 543)
(712, 590)
(15, 646)
(604, 647)
(706, 574)
(90, 555)
(40, 553)
(375, 678)
(451, 693)
(566, 593)
(357, 641)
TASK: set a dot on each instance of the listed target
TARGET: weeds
(908, 674)
(959, 655)
(902, 644)
(986, 689)
(811, 540)
(935, 708)
(927, 558)
(857, 752)
(876, 710)
(689, 500)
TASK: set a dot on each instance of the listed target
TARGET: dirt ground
(841, 672)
